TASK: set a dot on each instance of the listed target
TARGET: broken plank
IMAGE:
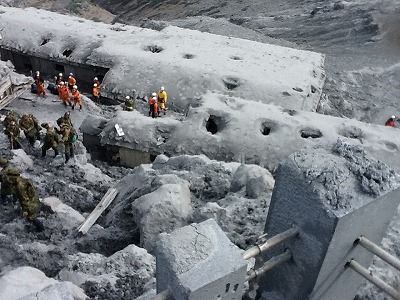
(95, 214)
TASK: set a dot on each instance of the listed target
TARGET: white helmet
(154, 94)
(75, 87)
(162, 88)
(95, 78)
(71, 74)
(154, 98)
(127, 97)
(61, 82)
(95, 84)
(60, 74)
(37, 72)
(393, 117)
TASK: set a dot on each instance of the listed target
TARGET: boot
(43, 153)
(55, 152)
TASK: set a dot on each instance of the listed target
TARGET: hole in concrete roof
(44, 41)
(266, 127)
(67, 52)
(235, 57)
(297, 89)
(188, 56)
(231, 83)
(228, 285)
(290, 112)
(285, 93)
(235, 287)
(310, 133)
(391, 146)
(214, 124)
(313, 89)
(351, 132)
(153, 48)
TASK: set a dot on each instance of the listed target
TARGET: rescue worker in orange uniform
(96, 81)
(152, 102)
(40, 90)
(96, 93)
(71, 81)
(63, 93)
(76, 97)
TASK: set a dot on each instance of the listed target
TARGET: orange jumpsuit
(64, 95)
(77, 99)
(71, 82)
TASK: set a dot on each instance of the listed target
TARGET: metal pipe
(375, 249)
(277, 239)
(270, 264)
(375, 280)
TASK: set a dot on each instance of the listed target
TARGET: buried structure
(116, 259)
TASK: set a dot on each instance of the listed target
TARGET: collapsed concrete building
(228, 116)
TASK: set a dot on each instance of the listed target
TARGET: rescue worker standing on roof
(7, 188)
(152, 102)
(76, 97)
(30, 126)
(391, 121)
(13, 132)
(27, 197)
(71, 81)
(162, 99)
(51, 140)
(129, 104)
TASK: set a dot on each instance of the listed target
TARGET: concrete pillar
(199, 262)
(334, 196)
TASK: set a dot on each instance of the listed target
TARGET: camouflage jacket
(7, 184)
(13, 132)
(29, 125)
(52, 139)
(27, 196)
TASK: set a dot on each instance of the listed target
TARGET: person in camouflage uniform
(51, 140)
(31, 128)
(66, 138)
(7, 187)
(11, 116)
(65, 119)
(27, 196)
(13, 132)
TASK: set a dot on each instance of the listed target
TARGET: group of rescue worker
(66, 89)
(15, 188)
(65, 134)
(158, 103)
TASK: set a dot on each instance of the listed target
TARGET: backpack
(73, 135)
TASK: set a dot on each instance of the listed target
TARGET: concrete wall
(132, 158)
(25, 63)
(322, 193)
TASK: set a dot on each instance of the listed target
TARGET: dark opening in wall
(60, 68)
(44, 41)
(154, 48)
(231, 83)
(235, 58)
(214, 124)
(67, 52)
(152, 157)
(188, 56)
(28, 67)
(310, 133)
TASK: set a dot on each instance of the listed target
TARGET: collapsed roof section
(188, 63)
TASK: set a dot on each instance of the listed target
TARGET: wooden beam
(95, 214)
